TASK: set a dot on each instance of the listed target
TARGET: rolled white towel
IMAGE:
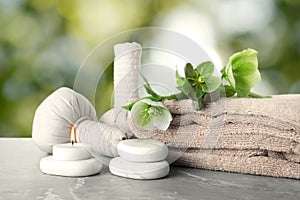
(127, 64)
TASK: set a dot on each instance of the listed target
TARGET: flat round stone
(121, 167)
(49, 165)
(142, 150)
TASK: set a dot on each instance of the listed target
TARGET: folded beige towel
(246, 135)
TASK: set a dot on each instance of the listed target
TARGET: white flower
(149, 115)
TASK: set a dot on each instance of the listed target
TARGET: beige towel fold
(193, 136)
(258, 165)
(292, 157)
(233, 126)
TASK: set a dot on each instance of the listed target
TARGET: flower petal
(149, 114)
(242, 71)
(162, 121)
(141, 116)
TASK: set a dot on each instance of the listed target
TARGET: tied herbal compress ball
(65, 108)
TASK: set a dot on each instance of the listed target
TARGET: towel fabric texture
(258, 136)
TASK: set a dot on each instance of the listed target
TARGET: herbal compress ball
(65, 108)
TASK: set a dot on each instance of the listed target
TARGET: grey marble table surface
(21, 178)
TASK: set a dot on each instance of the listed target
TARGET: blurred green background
(43, 43)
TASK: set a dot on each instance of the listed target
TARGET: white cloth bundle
(64, 108)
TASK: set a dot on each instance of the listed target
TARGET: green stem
(170, 97)
(174, 96)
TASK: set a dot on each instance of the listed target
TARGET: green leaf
(206, 69)
(212, 83)
(242, 71)
(155, 96)
(189, 71)
(198, 89)
(188, 90)
(177, 96)
(145, 79)
(223, 72)
(129, 106)
(186, 87)
(229, 90)
(179, 79)
(149, 90)
(254, 95)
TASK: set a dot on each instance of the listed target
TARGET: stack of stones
(140, 159)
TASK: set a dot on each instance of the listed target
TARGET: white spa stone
(121, 167)
(77, 168)
(142, 150)
(77, 151)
